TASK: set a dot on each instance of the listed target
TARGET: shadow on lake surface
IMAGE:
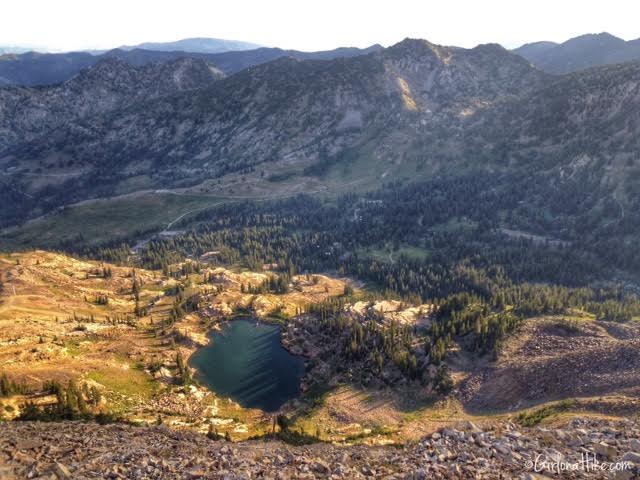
(246, 362)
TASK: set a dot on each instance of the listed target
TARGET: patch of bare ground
(552, 359)
(305, 289)
(519, 234)
(379, 417)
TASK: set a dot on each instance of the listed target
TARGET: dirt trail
(142, 243)
(234, 199)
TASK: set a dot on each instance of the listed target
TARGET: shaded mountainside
(582, 131)
(26, 113)
(415, 106)
(312, 108)
(580, 53)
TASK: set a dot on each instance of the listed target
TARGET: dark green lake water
(246, 362)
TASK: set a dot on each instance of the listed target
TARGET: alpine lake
(246, 362)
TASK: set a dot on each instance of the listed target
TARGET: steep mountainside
(582, 128)
(294, 106)
(306, 113)
(580, 53)
(110, 84)
(412, 106)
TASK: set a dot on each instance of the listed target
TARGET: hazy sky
(304, 25)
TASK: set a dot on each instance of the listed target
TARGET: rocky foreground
(73, 450)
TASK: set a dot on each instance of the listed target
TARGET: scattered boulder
(61, 471)
(500, 451)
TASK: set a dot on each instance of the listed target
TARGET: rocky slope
(27, 113)
(299, 111)
(551, 359)
(412, 107)
(75, 450)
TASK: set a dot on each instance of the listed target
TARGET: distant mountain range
(5, 49)
(195, 45)
(19, 67)
(580, 53)
(36, 69)
(22, 66)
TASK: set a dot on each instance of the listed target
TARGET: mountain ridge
(41, 69)
(414, 105)
(414, 73)
(580, 53)
(195, 45)
(106, 85)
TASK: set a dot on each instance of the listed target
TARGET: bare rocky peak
(416, 48)
(423, 75)
(434, 77)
